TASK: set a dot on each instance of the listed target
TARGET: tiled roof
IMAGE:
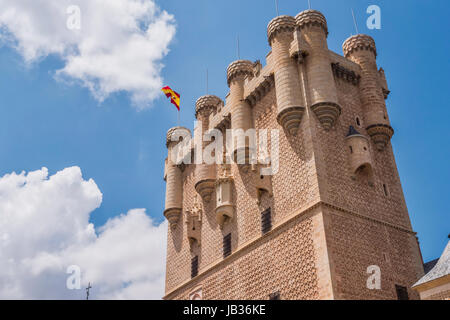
(352, 131)
(430, 265)
(441, 269)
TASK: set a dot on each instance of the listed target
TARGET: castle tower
(333, 212)
(241, 114)
(362, 50)
(289, 94)
(322, 89)
(173, 177)
(205, 174)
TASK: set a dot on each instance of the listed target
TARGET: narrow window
(266, 221)
(227, 245)
(358, 121)
(275, 296)
(351, 149)
(194, 267)
(385, 189)
(402, 293)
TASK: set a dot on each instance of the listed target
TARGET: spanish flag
(174, 96)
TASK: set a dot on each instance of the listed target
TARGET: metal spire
(87, 291)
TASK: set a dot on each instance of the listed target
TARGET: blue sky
(44, 122)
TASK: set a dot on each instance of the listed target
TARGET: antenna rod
(207, 85)
(238, 49)
(309, 4)
(276, 6)
(354, 21)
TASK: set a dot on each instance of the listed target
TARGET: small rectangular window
(402, 293)
(385, 189)
(194, 267)
(266, 221)
(227, 245)
(275, 296)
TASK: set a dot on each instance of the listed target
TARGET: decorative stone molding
(311, 18)
(224, 195)
(299, 56)
(173, 216)
(260, 91)
(343, 73)
(290, 119)
(257, 68)
(194, 222)
(327, 113)
(237, 68)
(280, 24)
(360, 159)
(359, 42)
(381, 134)
(224, 123)
(205, 189)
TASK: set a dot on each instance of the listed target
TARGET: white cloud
(44, 229)
(119, 46)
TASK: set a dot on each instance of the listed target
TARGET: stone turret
(321, 86)
(289, 95)
(224, 195)
(361, 49)
(359, 153)
(173, 177)
(205, 174)
(241, 112)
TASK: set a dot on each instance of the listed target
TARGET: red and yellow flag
(174, 96)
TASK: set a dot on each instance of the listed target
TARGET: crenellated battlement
(309, 18)
(207, 104)
(280, 24)
(359, 42)
(171, 132)
(237, 68)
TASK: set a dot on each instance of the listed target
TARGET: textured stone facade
(335, 210)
